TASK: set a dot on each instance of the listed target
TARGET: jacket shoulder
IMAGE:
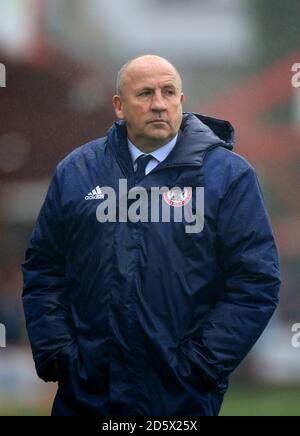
(223, 168)
(224, 161)
(83, 155)
(228, 158)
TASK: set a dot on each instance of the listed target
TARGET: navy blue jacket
(144, 318)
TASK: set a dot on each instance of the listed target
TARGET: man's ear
(117, 103)
(182, 99)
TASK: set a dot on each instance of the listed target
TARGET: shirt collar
(160, 154)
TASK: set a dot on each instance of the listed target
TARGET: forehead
(150, 74)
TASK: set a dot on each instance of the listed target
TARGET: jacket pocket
(198, 369)
(64, 361)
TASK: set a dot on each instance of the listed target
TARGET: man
(141, 313)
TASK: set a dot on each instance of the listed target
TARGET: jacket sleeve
(48, 319)
(248, 258)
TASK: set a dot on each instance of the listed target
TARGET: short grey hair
(122, 72)
(120, 77)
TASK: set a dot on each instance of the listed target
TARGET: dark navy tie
(141, 162)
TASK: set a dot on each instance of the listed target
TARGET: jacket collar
(197, 135)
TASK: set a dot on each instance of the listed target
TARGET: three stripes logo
(96, 194)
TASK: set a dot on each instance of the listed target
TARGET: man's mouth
(158, 121)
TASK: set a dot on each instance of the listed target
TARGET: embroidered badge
(178, 197)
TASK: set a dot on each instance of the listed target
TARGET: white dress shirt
(159, 155)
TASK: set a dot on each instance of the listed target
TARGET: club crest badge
(178, 197)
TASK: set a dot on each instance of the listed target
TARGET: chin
(160, 134)
(164, 139)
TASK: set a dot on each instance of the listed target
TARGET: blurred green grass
(23, 410)
(262, 400)
(241, 400)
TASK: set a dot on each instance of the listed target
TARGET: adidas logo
(96, 194)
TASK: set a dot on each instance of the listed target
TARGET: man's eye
(169, 92)
(144, 94)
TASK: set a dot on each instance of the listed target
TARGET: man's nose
(158, 102)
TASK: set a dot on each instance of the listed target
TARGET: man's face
(151, 104)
